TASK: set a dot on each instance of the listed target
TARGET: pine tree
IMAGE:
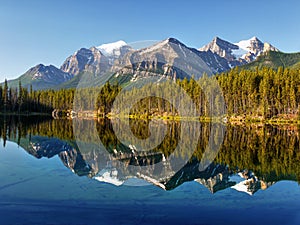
(5, 95)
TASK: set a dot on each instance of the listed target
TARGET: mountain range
(169, 57)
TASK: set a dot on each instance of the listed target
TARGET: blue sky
(36, 31)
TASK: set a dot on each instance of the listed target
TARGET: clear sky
(38, 31)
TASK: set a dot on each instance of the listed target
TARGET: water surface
(52, 175)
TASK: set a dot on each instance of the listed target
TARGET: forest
(263, 93)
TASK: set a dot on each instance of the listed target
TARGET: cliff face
(90, 60)
(221, 47)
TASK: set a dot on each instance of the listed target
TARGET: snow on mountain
(246, 44)
(250, 49)
(215, 57)
(251, 46)
(112, 48)
(239, 53)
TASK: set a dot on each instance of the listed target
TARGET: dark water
(147, 172)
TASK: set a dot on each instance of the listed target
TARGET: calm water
(147, 172)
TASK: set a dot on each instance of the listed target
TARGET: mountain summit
(250, 49)
(239, 53)
(114, 49)
(169, 58)
(85, 59)
(42, 77)
(221, 47)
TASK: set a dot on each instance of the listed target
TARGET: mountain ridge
(41, 77)
(275, 60)
(217, 56)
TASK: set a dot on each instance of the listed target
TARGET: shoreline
(232, 120)
(24, 114)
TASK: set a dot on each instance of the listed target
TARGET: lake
(147, 172)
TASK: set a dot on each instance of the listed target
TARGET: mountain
(115, 50)
(95, 59)
(41, 77)
(274, 60)
(85, 59)
(240, 53)
(252, 48)
(169, 59)
(222, 48)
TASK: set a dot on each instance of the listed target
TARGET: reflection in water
(251, 157)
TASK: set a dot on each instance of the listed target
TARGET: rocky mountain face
(240, 53)
(95, 59)
(252, 49)
(42, 77)
(115, 50)
(48, 73)
(168, 58)
(85, 60)
(221, 48)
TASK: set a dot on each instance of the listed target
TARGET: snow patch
(36, 76)
(110, 49)
(239, 53)
(244, 45)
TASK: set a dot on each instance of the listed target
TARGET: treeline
(185, 98)
(22, 100)
(263, 93)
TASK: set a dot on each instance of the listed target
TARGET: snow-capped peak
(249, 49)
(110, 49)
(247, 45)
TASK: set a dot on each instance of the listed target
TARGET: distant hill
(274, 60)
(41, 77)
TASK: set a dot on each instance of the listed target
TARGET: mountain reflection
(250, 157)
